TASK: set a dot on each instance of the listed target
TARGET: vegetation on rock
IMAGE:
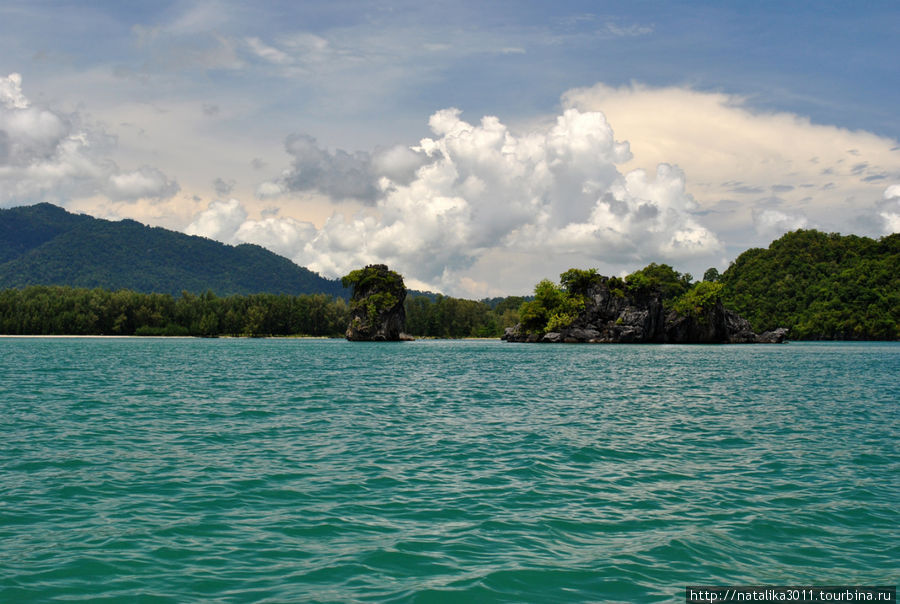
(558, 306)
(698, 300)
(376, 305)
(654, 304)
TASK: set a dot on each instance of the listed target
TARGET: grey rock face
(613, 317)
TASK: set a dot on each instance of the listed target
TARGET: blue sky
(342, 133)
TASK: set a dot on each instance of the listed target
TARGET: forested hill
(821, 286)
(45, 245)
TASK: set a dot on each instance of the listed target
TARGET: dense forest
(45, 245)
(820, 286)
(61, 310)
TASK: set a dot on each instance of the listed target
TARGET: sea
(305, 470)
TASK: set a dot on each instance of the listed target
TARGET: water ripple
(290, 470)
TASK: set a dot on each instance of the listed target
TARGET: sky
(475, 147)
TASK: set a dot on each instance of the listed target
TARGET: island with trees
(377, 313)
(653, 305)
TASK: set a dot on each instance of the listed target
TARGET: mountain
(46, 245)
(820, 286)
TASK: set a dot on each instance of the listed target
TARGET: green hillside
(45, 245)
(820, 286)
(26, 228)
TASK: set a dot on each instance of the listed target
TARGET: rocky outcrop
(616, 317)
(376, 306)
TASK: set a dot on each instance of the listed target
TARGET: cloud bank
(471, 189)
(755, 174)
(48, 155)
(482, 203)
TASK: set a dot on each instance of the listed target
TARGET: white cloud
(219, 221)
(11, 92)
(269, 53)
(46, 155)
(474, 189)
(144, 183)
(478, 205)
(889, 210)
(398, 163)
(227, 221)
(738, 160)
(270, 189)
(281, 235)
(771, 223)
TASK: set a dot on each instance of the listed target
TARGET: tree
(659, 276)
(711, 274)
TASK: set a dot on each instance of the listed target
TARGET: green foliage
(820, 286)
(617, 286)
(58, 310)
(578, 281)
(448, 317)
(557, 306)
(45, 245)
(659, 276)
(536, 314)
(376, 290)
(371, 278)
(711, 274)
(700, 298)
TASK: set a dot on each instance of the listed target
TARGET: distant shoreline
(8, 336)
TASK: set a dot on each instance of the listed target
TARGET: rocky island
(377, 313)
(655, 305)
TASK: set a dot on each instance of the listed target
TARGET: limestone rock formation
(376, 306)
(612, 316)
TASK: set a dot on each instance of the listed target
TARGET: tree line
(819, 285)
(63, 310)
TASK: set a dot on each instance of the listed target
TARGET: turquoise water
(183, 470)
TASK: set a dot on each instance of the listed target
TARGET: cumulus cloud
(472, 189)
(889, 210)
(220, 220)
(281, 235)
(737, 158)
(771, 223)
(144, 183)
(11, 92)
(480, 203)
(341, 175)
(338, 174)
(52, 156)
(227, 221)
